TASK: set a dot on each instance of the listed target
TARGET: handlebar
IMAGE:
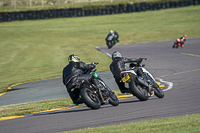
(95, 63)
(139, 63)
(143, 58)
(93, 70)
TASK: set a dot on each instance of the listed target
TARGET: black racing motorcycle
(111, 41)
(92, 96)
(143, 86)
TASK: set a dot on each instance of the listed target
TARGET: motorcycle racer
(180, 41)
(75, 70)
(183, 39)
(110, 34)
(118, 65)
(112, 39)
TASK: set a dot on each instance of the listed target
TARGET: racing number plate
(126, 78)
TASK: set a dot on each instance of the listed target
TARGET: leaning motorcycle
(143, 86)
(110, 41)
(177, 43)
(92, 96)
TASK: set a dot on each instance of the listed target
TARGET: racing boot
(125, 91)
(78, 101)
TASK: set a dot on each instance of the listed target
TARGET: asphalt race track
(180, 67)
(44, 90)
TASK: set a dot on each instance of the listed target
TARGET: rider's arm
(84, 66)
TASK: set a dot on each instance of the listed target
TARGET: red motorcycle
(178, 43)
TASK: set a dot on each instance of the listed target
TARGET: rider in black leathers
(76, 70)
(110, 34)
(118, 65)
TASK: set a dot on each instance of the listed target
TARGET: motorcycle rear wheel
(138, 91)
(90, 99)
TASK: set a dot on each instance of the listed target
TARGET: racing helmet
(111, 31)
(116, 54)
(73, 58)
(185, 36)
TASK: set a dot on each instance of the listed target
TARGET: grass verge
(182, 124)
(32, 107)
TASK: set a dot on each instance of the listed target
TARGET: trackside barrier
(79, 12)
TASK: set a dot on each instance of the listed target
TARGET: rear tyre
(137, 91)
(90, 98)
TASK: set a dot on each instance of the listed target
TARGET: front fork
(155, 85)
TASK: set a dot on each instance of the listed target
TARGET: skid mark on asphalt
(10, 87)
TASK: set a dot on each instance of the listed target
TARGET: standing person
(76, 70)
(118, 65)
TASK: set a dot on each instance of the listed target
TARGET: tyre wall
(79, 12)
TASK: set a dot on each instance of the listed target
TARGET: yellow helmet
(73, 58)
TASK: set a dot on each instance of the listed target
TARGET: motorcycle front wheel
(138, 91)
(113, 99)
(90, 98)
(159, 93)
(109, 44)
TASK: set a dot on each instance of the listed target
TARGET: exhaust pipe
(142, 82)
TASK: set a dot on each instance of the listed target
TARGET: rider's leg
(182, 44)
(121, 86)
(74, 94)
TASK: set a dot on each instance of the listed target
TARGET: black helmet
(116, 54)
(74, 58)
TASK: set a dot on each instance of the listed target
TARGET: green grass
(33, 50)
(31, 107)
(183, 124)
(37, 106)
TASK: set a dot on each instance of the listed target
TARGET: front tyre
(109, 44)
(90, 98)
(174, 46)
(138, 91)
(158, 92)
(113, 99)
